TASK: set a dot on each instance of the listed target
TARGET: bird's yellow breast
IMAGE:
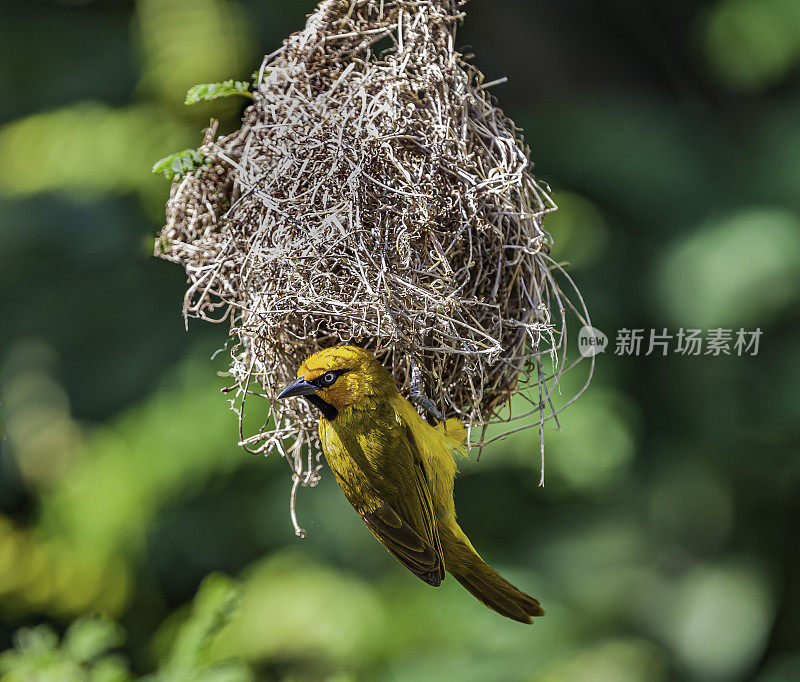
(364, 448)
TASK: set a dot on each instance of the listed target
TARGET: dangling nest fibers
(374, 195)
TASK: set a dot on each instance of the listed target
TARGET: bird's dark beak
(298, 387)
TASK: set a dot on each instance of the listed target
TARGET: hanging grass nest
(375, 195)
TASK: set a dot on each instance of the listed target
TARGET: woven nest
(374, 195)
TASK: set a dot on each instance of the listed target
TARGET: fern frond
(181, 163)
(254, 76)
(205, 92)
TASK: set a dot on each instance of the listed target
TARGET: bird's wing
(406, 525)
(406, 545)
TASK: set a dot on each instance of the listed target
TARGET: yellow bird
(398, 471)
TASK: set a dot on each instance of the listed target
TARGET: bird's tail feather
(481, 580)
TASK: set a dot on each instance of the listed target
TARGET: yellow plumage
(397, 472)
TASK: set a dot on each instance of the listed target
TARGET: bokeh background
(664, 544)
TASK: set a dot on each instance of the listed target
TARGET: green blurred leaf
(38, 657)
(213, 606)
(89, 637)
(623, 660)
(735, 271)
(86, 149)
(719, 618)
(180, 437)
(212, 609)
(579, 232)
(753, 44)
(38, 641)
(186, 41)
(293, 608)
(206, 92)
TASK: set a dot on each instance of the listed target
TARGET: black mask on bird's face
(309, 389)
(339, 379)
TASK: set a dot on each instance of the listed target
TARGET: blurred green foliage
(206, 92)
(83, 653)
(663, 542)
(753, 44)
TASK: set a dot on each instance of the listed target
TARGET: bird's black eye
(329, 378)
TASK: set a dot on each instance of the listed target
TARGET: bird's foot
(418, 395)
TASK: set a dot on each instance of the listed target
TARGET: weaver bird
(398, 471)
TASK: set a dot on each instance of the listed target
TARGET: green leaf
(254, 76)
(216, 600)
(205, 92)
(180, 163)
(189, 660)
(80, 658)
(38, 640)
(89, 637)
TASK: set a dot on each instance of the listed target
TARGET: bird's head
(340, 378)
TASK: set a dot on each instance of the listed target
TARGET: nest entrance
(378, 198)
